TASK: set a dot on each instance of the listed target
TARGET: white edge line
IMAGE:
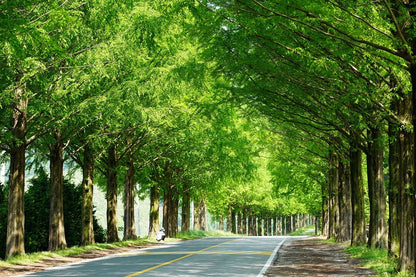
(271, 259)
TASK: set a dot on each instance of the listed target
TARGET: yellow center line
(181, 258)
(197, 252)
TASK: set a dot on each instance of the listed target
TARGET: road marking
(271, 259)
(198, 252)
(178, 259)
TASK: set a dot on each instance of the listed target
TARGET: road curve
(219, 256)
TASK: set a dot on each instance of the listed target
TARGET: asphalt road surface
(224, 256)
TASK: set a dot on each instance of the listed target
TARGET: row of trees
(339, 79)
(252, 107)
(37, 215)
(122, 92)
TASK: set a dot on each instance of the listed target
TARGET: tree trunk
(251, 225)
(393, 193)
(239, 223)
(56, 214)
(173, 218)
(186, 212)
(170, 212)
(259, 226)
(244, 222)
(344, 201)
(404, 12)
(129, 222)
(233, 222)
(294, 220)
(358, 237)
(229, 216)
(87, 236)
(165, 223)
(197, 212)
(333, 206)
(406, 192)
(16, 215)
(288, 224)
(269, 227)
(154, 212)
(112, 230)
(324, 212)
(202, 217)
(377, 237)
(277, 226)
(221, 223)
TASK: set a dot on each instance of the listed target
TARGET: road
(224, 256)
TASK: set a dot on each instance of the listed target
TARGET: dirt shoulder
(51, 262)
(312, 257)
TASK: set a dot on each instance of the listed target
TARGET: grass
(202, 234)
(302, 230)
(375, 259)
(37, 256)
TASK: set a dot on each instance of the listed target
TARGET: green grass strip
(76, 250)
(376, 259)
(202, 234)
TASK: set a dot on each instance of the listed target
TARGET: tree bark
(221, 223)
(170, 212)
(186, 212)
(344, 201)
(229, 216)
(333, 205)
(294, 222)
(203, 215)
(269, 227)
(129, 222)
(406, 191)
(174, 213)
(358, 237)
(112, 228)
(233, 222)
(197, 212)
(16, 215)
(239, 223)
(56, 214)
(288, 224)
(87, 235)
(154, 212)
(324, 211)
(244, 222)
(377, 237)
(229, 219)
(393, 192)
(251, 225)
(277, 226)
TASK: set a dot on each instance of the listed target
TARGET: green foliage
(37, 214)
(236, 102)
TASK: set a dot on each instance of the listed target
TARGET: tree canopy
(256, 108)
